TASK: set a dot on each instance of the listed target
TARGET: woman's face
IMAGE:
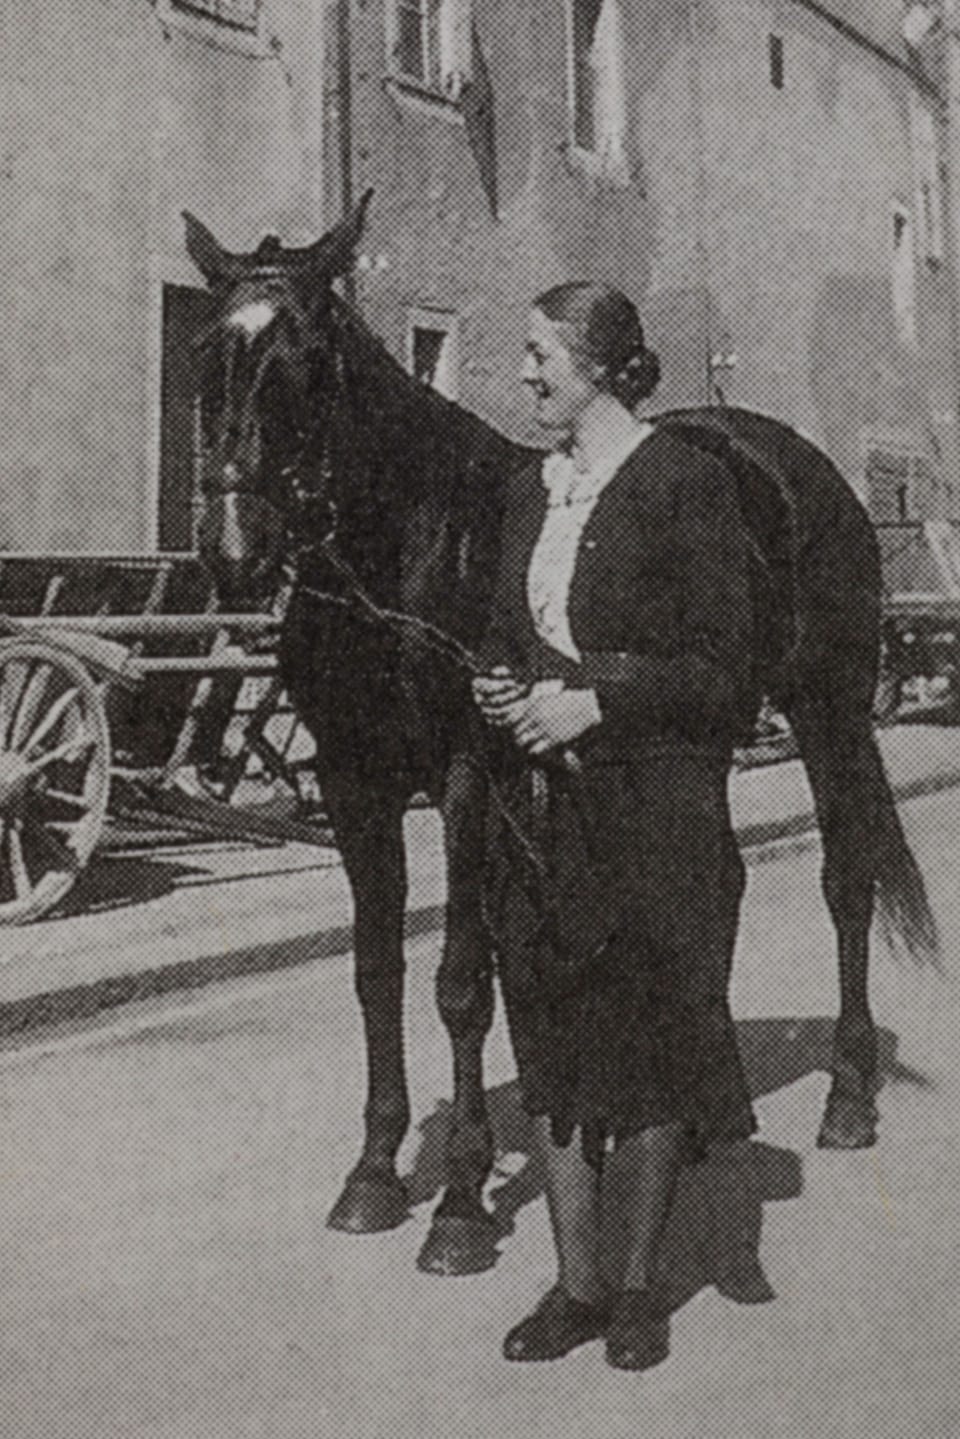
(556, 376)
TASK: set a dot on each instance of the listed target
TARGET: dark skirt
(615, 941)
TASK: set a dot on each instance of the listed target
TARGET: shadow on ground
(717, 1220)
(113, 882)
(117, 883)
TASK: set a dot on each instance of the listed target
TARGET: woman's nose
(528, 370)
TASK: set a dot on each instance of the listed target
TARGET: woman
(619, 671)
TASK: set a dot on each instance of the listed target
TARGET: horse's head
(270, 365)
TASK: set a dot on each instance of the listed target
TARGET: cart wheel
(54, 775)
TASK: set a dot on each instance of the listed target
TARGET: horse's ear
(333, 255)
(214, 262)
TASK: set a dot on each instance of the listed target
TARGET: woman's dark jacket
(615, 966)
(659, 606)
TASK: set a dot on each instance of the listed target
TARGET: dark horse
(387, 501)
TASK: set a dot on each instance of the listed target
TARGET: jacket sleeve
(695, 686)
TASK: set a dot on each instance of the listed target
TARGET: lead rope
(438, 641)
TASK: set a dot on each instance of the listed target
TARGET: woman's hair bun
(637, 379)
(606, 330)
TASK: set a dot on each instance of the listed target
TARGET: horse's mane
(406, 424)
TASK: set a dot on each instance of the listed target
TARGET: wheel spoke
(18, 865)
(60, 796)
(30, 697)
(62, 826)
(69, 753)
(12, 680)
(50, 720)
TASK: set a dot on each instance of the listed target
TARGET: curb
(757, 839)
(761, 842)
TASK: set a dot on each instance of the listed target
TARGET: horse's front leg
(368, 825)
(462, 1238)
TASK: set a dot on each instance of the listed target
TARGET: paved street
(165, 1171)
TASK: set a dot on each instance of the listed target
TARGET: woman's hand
(500, 697)
(554, 716)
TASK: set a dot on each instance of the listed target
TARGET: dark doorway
(185, 313)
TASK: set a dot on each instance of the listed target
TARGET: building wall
(114, 116)
(431, 224)
(802, 188)
(756, 222)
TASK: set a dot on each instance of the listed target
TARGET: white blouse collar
(567, 483)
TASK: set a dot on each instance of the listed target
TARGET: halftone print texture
(372, 967)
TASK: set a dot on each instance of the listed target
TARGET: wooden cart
(93, 703)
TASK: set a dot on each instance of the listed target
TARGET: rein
(439, 642)
(434, 639)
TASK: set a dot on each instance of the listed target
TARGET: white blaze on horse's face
(253, 318)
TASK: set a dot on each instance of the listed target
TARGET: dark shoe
(558, 1325)
(639, 1333)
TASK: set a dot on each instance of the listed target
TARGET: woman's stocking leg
(574, 1202)
(644, 1170)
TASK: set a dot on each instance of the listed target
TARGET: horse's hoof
(459, 1246)
(848, 1123)
(370, 1204)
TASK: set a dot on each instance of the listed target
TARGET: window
(586, 15)
(928, 180)
(432, 350)
(427, 353)
(241, 14)
(897, 480)
(598, 101)
(414, 41)
(429, 43)
(776, 62)
(904, 275)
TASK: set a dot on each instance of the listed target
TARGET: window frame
(213, 10)
(896, 472)
(433, 319)
(578, 65)
(606, 158)
(428, 90)
(203, 24)
(929, 183)
(422, 10)
(903, 273)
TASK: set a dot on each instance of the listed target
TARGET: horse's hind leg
(368, 825)
(845, 774)
(462, 1238)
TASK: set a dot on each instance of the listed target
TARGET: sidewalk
(178, 919)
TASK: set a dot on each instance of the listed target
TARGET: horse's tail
(903, 907)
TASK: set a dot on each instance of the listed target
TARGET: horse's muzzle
(241, 543)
